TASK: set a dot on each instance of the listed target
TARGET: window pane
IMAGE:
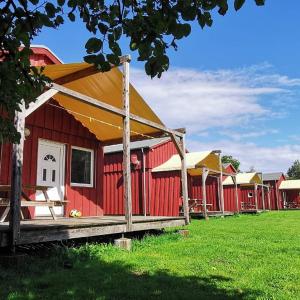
(81, 166)
(53, 175)
(44, 174)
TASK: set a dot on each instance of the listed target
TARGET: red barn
(145, 155)
(290, 191)
(61, 148)
(274, 180)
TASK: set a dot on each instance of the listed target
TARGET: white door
(50, 172)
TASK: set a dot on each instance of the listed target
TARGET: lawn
(242, 257)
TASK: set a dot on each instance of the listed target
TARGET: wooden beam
(43, 98)
(269, 198)
(204, 200)
(221, 183)
(16, 181)
(114, 110)
(236, 194)
(126, 148)
(184, 183)
(177, 145)
(263, 193)
(255, 196)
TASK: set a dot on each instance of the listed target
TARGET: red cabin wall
(275, 195)
(113, 183)
(55, 124)
(195, 192)
(293, 198)
(230, 199)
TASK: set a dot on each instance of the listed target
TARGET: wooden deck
(36, 231)
(212, 214)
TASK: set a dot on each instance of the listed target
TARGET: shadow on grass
(88, 277)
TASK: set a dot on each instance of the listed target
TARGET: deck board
(43, 230)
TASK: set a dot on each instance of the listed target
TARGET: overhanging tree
(229, 159)
(294, 171)
(152, 28)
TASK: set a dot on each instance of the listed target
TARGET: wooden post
(277, 194)
(221, 183)
(126, 146)
(204, 200)
(16, 181)
(236, 194)
(263, 193)
(255, 195)
(269, 197)
(184, 183)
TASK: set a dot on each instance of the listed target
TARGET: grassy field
(243, 257)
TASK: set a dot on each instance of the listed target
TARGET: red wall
(57, 125)
(157, 204)
(275, 194)
(293, 198)
(195, 192)
(230, 198)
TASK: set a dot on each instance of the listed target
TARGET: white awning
(290, 185)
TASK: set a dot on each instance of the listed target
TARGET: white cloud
(199, 100)
(266, 159)
(232, 103)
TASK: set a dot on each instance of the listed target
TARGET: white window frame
(91, 185)
(250, 196)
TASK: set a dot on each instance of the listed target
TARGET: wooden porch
(41, 230)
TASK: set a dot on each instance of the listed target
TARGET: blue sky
(235, 86)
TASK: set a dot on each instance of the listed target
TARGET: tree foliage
(294, 171)
(229, 159)
(151, 26)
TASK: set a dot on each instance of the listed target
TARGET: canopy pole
(16, 181)
(255, 195)
(236, 194)
(263, 193)
(204, 200)
(126, 146)
(184, 181)
(277, 194)
(221, 183)
(269, 197)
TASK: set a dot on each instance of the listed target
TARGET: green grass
(243, 257)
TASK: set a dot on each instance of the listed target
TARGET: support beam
(236, 194)
(269, 198)
(263, 193)
(184, 183)
(177, 145)
(255, 196)
(221, 184)
(126, 148)
(204, 199)
(16, 181)
(40, 100)
(109, 108)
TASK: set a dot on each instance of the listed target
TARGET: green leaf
(113, 59)
(50, 9)
(238, 4)
(260, 2)
(71, 16)
(93, 45)
(90, 59)
(34, 2)
(201, 20)
(61, 2)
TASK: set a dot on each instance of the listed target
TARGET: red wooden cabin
(145, 155)
(290, 192)
(252, 194)
(274, 180)
(61, 151)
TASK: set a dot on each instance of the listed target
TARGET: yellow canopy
(106, 87)
(195, 161)
(244, 179)
(290, 185)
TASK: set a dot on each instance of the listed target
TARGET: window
(82, 167)
(250, 195)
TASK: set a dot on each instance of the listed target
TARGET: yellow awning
(290, 185)
(244, 179)
(195, 161)
(106, 87)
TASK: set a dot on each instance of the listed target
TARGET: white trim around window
(92, 168)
